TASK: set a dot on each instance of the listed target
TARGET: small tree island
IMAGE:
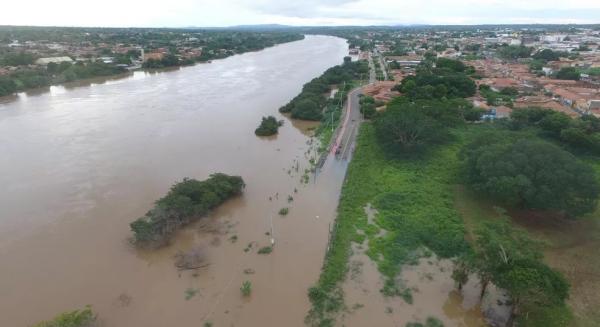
(268, 126)
(186, 202)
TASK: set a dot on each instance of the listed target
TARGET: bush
(186, 201)
(77, 318)
(531, 174)
(246, 288)
(283, 211)
(265, 250)
(268, 126)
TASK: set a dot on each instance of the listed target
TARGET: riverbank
(40, 78)
(396, 215)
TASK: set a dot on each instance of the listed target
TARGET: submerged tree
(268, 126)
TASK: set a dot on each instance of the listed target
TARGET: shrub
(268, 126)
(265, 250)
(77, 318)
(246, 288)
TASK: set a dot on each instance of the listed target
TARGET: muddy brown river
(79, 163)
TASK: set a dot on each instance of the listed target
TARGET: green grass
(423, 206)
(415, 204)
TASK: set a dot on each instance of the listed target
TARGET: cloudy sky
(180, 13)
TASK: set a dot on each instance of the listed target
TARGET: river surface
(78, 163)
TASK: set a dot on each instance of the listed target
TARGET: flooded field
(79, 163)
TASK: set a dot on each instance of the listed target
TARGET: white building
(56, 60)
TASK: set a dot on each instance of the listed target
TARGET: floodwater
(434, 294)
(79, 163)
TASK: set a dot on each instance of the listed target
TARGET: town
(34, 57)
(547, 67)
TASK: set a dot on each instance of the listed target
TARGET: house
(56, 60)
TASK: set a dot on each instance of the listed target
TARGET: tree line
(309, 104)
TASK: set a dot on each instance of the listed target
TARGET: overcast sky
(181, 13)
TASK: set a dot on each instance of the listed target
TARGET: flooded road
(80, 163)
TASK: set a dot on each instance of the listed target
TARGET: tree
(268, 126)
(547, 55)
(509, 258)
(531, 284)
(568, 73)
(497, 244)
(403, 127)
(555, 122)
(530, 174)
(514, 52)
(307, 109)
(187, 200)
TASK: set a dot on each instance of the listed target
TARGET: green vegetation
(505, 97)
(169, 60)
(569, 73)
(186, 201)
(100, 42)
(414, 202)
(412, 125)
(332, 115)
(24, 79)
(414, 194)
(579, 135)
(368, 106)
(548, 55)
(268, 126)
(531, 174)
(514, 52)
(77, 318)
(448, 79)
(265, 250)
(430, 322)
(310, 103)
(190, 293)
(284, 211)
(246, 288)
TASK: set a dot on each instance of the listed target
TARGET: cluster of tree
(568, 73)
(448, 79)
(505, 97)
(408, 125)
(186, 201)
(506, 257)
(24, 79)
(368, 106)
(513, 52)
(542, 57)
(268, 126)
(169, 60)
(530, 173)
(309, 104)
(581, 134)
(13, 58)
(548, 55)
